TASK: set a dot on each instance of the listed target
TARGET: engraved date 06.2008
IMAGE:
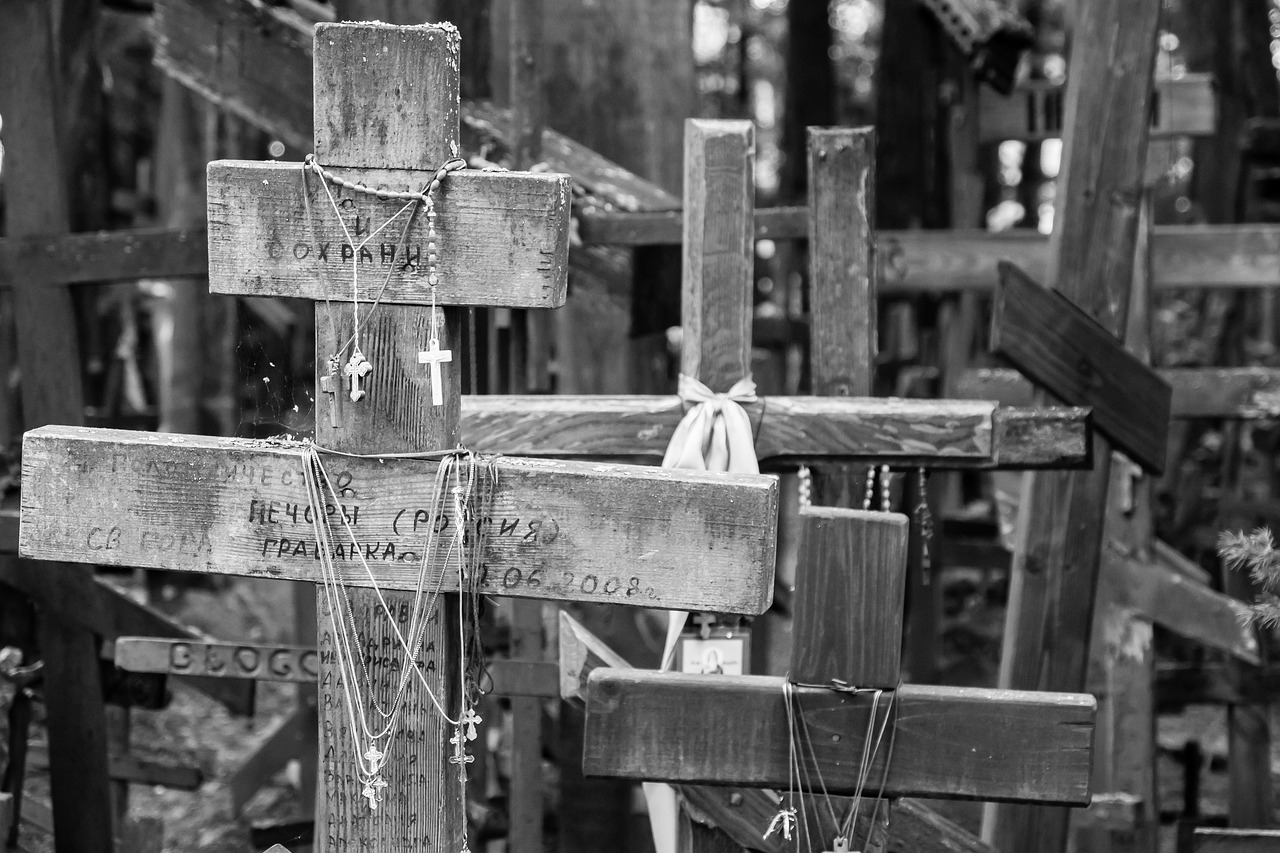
(586, 584)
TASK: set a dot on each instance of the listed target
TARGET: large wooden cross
(386, 116)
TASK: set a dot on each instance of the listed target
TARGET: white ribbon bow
(715, 434)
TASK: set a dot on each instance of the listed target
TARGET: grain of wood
(917, 432)
(843, 346)
(217, 660)
(719, 251)
(963, 743)
(511, 251)
(1061, 348)
(104, 256)
(852, 572)
(190, 503)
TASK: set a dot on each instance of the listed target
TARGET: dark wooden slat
(852, 572)
(1179, 685)
(105, 256)
(1063, 349)
(960, 743)
(136, 771)
(941, 434)
(1198, 392)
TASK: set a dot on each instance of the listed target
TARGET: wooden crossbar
(962, 743)
(238, 506)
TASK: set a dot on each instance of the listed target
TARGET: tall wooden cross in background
(386, 115)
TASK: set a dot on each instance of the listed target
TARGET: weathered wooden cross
(386, 102)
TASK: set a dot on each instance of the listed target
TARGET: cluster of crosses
(386, 113)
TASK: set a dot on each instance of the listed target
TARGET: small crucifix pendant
(356, 369)
(459, 751)
(469, 719)
(373, 791)
(434, 356)
(331, 384)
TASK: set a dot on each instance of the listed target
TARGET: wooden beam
(297, 664)
(852, 571)
(105, 256)
(511, 247)
(1063, 349)
(745, 813)
(1186, 106)
(1198, 392)
(134, 770)
(1207, 840)
(962, 743)
(1179, 685)
(238, 506)
(945, 434)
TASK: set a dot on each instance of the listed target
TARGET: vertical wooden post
(422, 807)
(1055, 569)
(35, 188)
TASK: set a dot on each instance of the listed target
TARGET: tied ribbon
(715, 434)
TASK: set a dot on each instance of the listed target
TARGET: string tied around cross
(715, 434)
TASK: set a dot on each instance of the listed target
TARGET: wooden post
(35, 188)
(1056, 563)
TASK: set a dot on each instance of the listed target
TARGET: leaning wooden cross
(386, 117)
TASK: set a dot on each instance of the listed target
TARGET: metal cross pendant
(356, 369)
(434, 356)
(704, 621)
(331, 384)
(373, 791)
(469, 719)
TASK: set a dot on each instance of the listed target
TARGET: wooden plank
(719, 252)
(217, 660)
(1181, 605)
(257, 64)
(1185, 106)
(852, 571)
(504, 238)
(1058, 559)
(842, 304)
(286, 738)
(745, 813)
(1198, 392)
(929, 433)
(34, 97)
(238, 506)
(1179, 685)
(962, 743)
(1207, 840)
(105, 256)
(1061, 348)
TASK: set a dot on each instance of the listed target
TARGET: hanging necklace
(357, 367)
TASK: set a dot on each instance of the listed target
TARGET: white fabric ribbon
(714, 435)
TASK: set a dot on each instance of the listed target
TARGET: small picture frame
(723, 651)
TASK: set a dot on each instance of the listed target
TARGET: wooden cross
(386, 114)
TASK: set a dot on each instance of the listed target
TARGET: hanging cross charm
(331, 384)
(373, 791)
(704, 621)
(434, 356)
(374, 757)
(459, 752)
(469, 719)
(784, 822)
(357, 368)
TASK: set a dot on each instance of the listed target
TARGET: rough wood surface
(238, 506)
(852, 572)
(105, 256)
(135, 770)
(217, 660)
(1206, 840)
(1198, 392)
(745, 813)
(842, 303)
(962, 743)
(1061, 348)
(503, 237)
(1179, 604)
(1090, 261)
(719, 251)
(1186, 106)
(916, 432)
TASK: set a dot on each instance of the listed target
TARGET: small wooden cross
(434, 356)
